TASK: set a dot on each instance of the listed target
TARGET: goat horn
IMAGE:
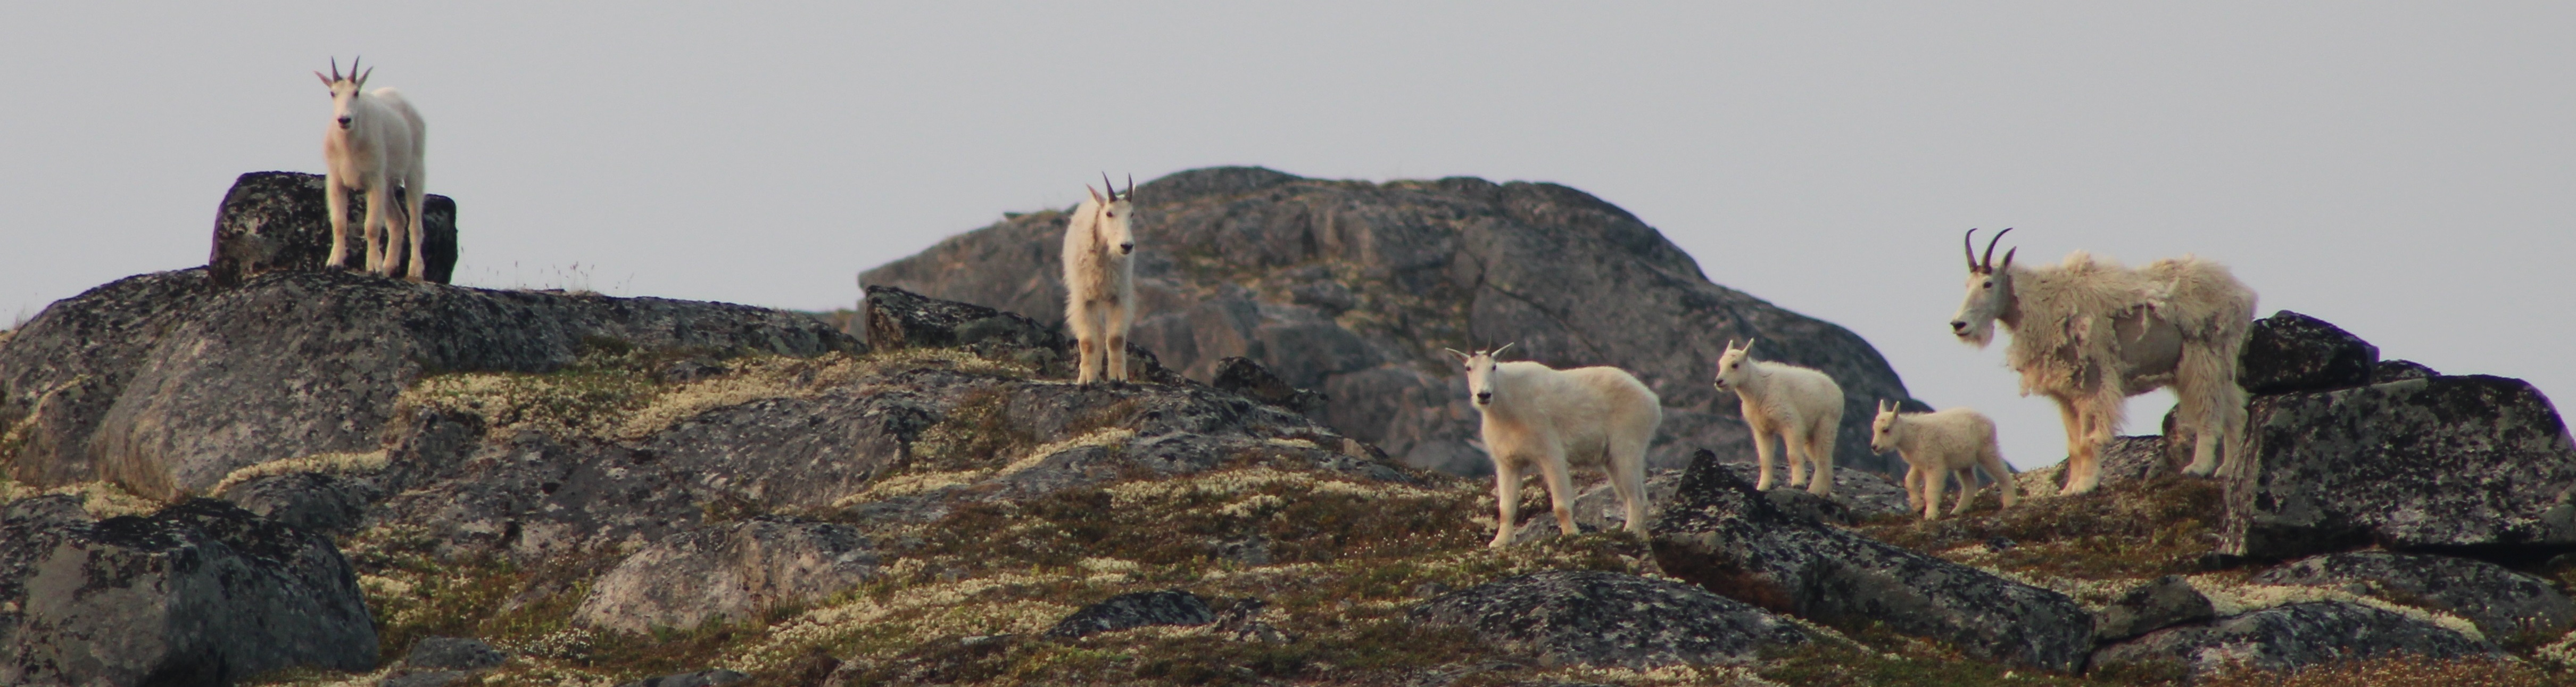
(1499, 351)
(335, 70)
(1111, 185)
(353, 67)
(1969, 243)
(362, 78)
(1990, 248)
(1131, 188)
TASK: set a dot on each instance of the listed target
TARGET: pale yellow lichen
(333, 463)
(1105, 437)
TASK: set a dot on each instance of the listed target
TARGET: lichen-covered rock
(1610, 619)
(309, 501)
(2442, 461)
(711, 677)
(2284, 638)
(1134, 610)
(272, 221)
(162, 383)
(1720, 533)
(1352, 288)
(899, 319)
(2399, 370)
(728, 573)
(2290, 352)
(201, 592)
(1857, 496)
(1241, 375)
(441, 661)
(2502, 602)
(2165, 602)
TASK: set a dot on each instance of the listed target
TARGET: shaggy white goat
(374, 144)
(1937, 444)
(1100, 279)
(1800, 405)
(1550, 418)
(2090, 333)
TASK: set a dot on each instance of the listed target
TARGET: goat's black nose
(1958, 326)
(1126, 248)
(1484, 397)
(344, 122)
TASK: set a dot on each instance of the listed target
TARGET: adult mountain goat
(1100, 279)
(1801, 406)
(1535, 415)
(375, 143)
(1936, 444)
(2089, 334)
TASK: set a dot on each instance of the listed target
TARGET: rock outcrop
(2288, 637)
(1134, 610)
(728, 573)
(201, 592)
(2502, 602)
(2447, 461)
(162, 382)
(2165, 602)
(1608, 619)
(280, 221)
(1352, 288)
(2290, 352)
(1720, 533)
(442, 661)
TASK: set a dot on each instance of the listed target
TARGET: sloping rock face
(1352, 289)
(2163, 603)
(728, 573)
(199, 593)
(2288, 637)
(2292, 352)
(273, 221)
(1609, 619)
(2502, 602)
(2447, 461)
(1720, 533)
(162, 382)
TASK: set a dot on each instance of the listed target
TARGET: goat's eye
(1990, 283)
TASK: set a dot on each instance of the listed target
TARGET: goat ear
(1498, 353)
(1748, 346)
(1095, 195)
(326, 81)
(1462, 357)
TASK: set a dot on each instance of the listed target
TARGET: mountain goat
(375, 144)
(1537, 415)
(1800, 405)
(1937, 444)
(1100, 279)
(2089, 334)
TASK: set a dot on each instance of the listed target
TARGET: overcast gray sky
(2407, 171)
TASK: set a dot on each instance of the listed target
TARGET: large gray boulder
(1720, 533)
(2502, 602)
(201, 592)
(163, 383)
(1352, 288)
(2448, 461)
(273, 221)
(728, 573)
(2284, 638)
(2290, 352)
(1586, 617)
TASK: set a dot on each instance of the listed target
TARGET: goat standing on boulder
(1537, 415)
(1800, 405)
(1937, 444)
(2090, 334)
(1100, 280)
(375, 143)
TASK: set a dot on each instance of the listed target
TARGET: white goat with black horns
(1100, 279)
(2089, 334)
(1936, 444)
(1535, 415)
(374, 144)
(1800, 405)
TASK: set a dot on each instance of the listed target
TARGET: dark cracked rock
(1241, 375)
(1610, 619)
(164, 384)
(309, 501)
(201, 592)
(2290, 352)
(728, 573)
(279, 221)
(2285, 638)
(1134, 610)
(1352, 288)
(2502, 602)
(2465, 461)
(1720, 533)
(2165, 602)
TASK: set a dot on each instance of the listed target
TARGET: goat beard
(1981, 335)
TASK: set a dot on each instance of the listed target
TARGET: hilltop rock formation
(280, 221)
(162, 382)
(200, 592)
(1352, 288)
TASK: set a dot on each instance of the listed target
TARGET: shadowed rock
(1241, 375)
(2289, 637)
(441, 661)
(309, 501)
(2467, 461)
(710, 677)
(2292, 352)
(1609, 619)
(899, 319)
(1134, 610)
(1352, 288)
(2399, 370)
(1720, 533)
(274, 221)
(199, 593)
(2163, 603)
(2502, 602)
